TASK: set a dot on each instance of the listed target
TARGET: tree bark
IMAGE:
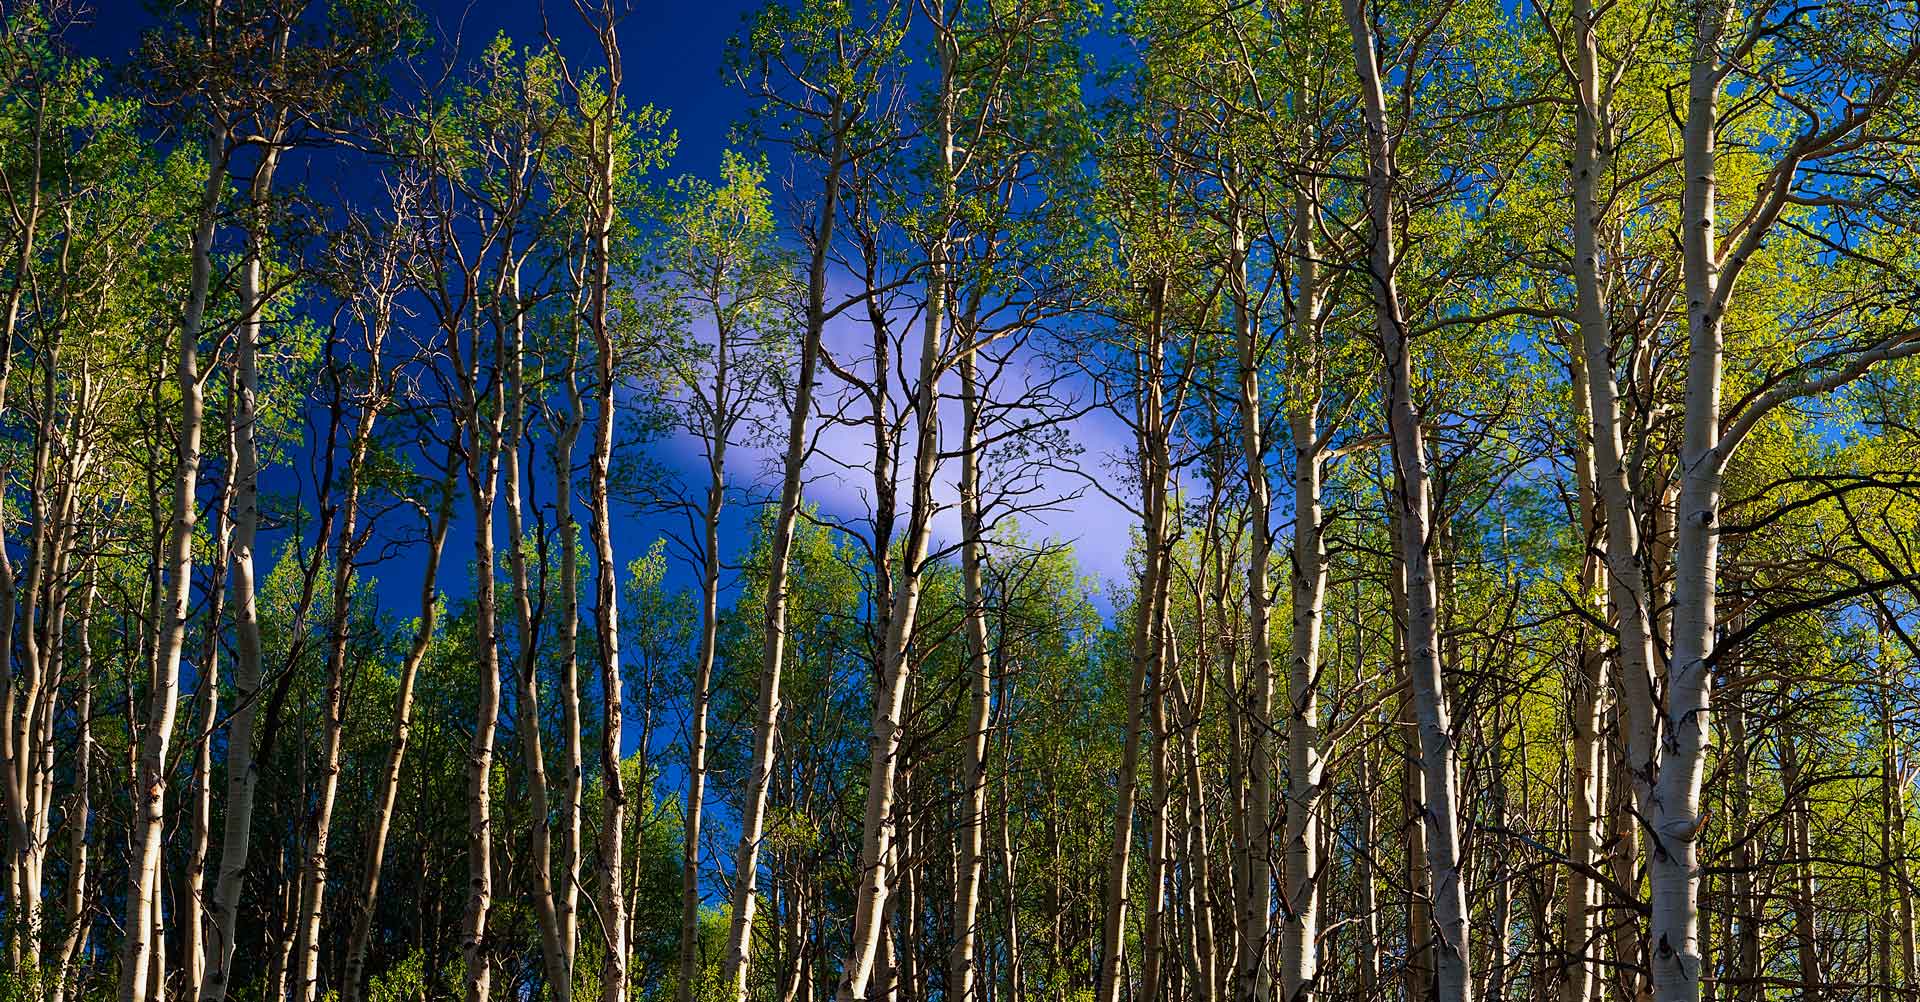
(889, 699)
(242, 775)
(1256, 911)
(773, 634)
(1300, 886)
(961, 965)
(358, 940)
(140, 951)
(1452, 952)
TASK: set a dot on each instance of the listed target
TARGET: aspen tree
(1413, 510)
(831, 63)
(720, 255)
(1674, 774)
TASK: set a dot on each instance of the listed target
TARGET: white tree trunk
(1412, 501)
(774, 634)
(961, 971)
(361, 936)
(242, 775)
(140, 951)
(1300, 885)
(889, 698)
(1255, 980)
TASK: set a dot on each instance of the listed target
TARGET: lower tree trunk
(353, 989)
(970, 862)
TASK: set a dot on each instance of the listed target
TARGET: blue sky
(672, 56)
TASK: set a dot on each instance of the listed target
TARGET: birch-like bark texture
(1415, 540)
(703, 670)
(346, 549)
(837, 117)
(1300, 883)
(353, 989)
(612, 906)
(1673, 805)
(483, 434)
(79, 810)
(23, 938)
(1603, 498)
(242, 777)
(554, 953)
(1150, 601)
(890, 688)
(140, 952)
(1256, 914)
(971, 859)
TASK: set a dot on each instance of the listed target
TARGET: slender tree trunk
(889, 701)
(242, 775)
(354, 988)
(573, 783)
(1153, 935)
(140, 950)
(613, 910)
(346, 551)
(1366, 902)
(703, 679)
(774, 635)
(1300, 886)
(193, 926)
(1257, 906)
(79, 812)
(24, 930)
(556, 961)
(484, 433)
(961, 966)
(1150, 612)
(1796, 786)
(1452, 951)
(1596, 455)
(1673, 809)
(1895, 885)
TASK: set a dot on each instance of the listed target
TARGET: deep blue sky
(672, 55)
(671, 51)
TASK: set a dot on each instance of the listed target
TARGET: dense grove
(460, 542)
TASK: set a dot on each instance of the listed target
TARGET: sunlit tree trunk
(1413, 504)
(1300, 885)
(1149, 613)
(961, 966)
(612, 905)
(242, 775)
(483, 419)
(1672, 807)
(361, 936)
(573, 783)
(140, 952)
(889, 700)
(79, 809)
(1597, 455)
(193, 942)
(556, 960)
(1256, 909)
(774, 628)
